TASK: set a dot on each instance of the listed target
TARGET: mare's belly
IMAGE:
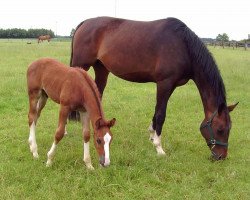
(140, 77)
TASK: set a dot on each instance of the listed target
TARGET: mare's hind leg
(164, 91)
(37, 101)
(101, 76)
(86, 137)
(63, 114)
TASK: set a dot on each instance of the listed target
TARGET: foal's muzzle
(104, 162)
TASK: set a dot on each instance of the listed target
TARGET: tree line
(23, 33)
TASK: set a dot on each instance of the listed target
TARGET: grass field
(135, 172)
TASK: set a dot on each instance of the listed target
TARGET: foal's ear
(231, 108)
(111, 122)
(99, 123)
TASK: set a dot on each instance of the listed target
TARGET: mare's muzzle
(212, 142)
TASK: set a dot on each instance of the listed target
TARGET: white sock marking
(107, 139)
(51, 154)
(157, 142)
(32, 140)
(86, 156)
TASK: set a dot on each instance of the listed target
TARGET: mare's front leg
(63, 114)
(164, 91)
(86, 137)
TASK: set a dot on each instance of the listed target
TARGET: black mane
(199, 54)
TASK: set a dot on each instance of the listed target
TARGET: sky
(207, 18)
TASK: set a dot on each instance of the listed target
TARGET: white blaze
(107, 139)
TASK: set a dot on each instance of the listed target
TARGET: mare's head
(216, 130)
(102, 140)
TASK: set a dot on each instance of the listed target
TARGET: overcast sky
(207, 18)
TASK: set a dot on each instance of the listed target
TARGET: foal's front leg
(64, 111)
(86, 137)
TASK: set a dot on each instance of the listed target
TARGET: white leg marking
(32, 140)
(86, 129)
(157, 142)
(51, 154)
(151, 131)
(65, 132)
(107, 139)
(86, 156)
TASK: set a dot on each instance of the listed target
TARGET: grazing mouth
(216, 157)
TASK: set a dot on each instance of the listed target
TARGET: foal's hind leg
(164, 91)
(86, 137)
(63, 114)
(37, 101)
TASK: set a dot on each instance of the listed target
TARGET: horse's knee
(59, 135)
(86, 136)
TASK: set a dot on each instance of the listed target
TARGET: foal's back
(56, 80)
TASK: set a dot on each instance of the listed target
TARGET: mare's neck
(207, 94)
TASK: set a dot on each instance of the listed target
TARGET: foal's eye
(98, 141)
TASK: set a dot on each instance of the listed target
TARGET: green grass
(135, 172)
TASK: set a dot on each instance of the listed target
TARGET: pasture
(136, 172)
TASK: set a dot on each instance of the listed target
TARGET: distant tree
(72, 32)
(22, 33)
(222, 37)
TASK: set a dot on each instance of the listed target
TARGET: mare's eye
(220, 131)
(98, 141)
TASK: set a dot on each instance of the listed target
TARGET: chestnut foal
(73, 89)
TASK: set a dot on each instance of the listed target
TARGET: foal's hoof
(35, 155)
(90, 167)
(48, 163)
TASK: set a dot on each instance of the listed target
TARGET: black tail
(74, 115)
(200, 56)
(70, 64)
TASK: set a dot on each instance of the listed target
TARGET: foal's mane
(200, 55)
(94, 90)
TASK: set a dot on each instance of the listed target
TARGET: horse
(166, 52)
(73, 89)
(43, 37)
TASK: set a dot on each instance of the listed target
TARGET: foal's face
(102, 139)
(216, 130)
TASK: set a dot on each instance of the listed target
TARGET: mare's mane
(199, 55)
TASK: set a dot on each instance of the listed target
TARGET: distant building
(249, 36)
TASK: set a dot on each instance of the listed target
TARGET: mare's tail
(74, 115)
(70, 64)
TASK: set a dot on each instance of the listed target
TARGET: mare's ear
(111, 122)
(99, 123)
(221, 107)
(231, 108)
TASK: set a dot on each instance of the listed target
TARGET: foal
(73, 89)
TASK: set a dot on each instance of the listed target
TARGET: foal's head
(102, 139)
(216, 130)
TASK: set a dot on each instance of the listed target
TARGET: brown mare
(43, 37)
(73, 89)
(166, 52)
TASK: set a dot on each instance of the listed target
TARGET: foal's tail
(70, 64)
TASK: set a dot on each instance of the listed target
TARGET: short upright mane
(95, 91)
(201, 56)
